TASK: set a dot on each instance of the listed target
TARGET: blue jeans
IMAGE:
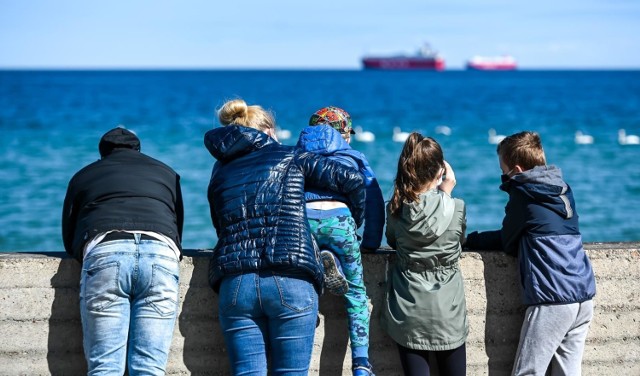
(265, 314)
(128, 305)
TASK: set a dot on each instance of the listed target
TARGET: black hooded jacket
(125, 190)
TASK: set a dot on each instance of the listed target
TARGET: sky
(324, 34)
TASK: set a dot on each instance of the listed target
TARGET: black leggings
(448, 362)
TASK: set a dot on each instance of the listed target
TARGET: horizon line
(187, 68)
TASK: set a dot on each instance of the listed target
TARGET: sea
(51, 122)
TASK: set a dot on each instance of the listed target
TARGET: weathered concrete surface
(41, 331)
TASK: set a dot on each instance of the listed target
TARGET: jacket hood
(545, 185)
(232, 141)
(321, 139)
(550, 175)
(118, 138)
(430, 216)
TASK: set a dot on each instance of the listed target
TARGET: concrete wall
(41, 332)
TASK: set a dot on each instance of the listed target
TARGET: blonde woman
(266, 267)
(425, 312)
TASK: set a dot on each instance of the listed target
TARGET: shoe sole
(363, 371)
(334, 281)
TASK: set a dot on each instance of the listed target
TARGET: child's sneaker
(362, 368)
(334, 280)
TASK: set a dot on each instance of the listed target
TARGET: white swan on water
(443, 130)
(627, 139)
(583, 139)
(399, 135)
(495, 138)
(363, 136)
(283, 134)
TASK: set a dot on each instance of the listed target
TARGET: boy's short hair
(523, 149)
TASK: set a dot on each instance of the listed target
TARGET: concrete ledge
(40, 319)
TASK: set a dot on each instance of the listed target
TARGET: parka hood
(430, 216)
(232, 141)
(321, 139)
(549, 175)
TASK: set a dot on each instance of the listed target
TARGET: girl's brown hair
(420, 162)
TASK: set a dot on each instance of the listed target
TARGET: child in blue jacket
(540, 227)
(328, 134)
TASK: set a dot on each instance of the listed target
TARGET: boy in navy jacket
(540, 227)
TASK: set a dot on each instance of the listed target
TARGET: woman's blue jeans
(128, 305)
(265, 315)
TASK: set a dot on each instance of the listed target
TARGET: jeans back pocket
(99, 286)
(164, 291)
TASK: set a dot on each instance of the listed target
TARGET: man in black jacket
(122, 219)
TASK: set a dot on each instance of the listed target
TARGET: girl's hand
(448, 180)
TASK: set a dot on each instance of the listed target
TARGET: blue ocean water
(51, 121)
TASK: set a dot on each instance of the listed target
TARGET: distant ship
(424, 59)
(492, 63)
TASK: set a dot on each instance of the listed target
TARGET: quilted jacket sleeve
(325, 173)
(212, 202)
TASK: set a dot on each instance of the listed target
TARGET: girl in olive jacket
(425, 308)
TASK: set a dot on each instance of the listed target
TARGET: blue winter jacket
(541, 227)
(256, 199)
(326, 141)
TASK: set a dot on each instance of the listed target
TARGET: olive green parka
(425, 305)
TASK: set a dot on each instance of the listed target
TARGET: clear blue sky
(314, 34)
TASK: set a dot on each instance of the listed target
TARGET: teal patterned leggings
(338, 234)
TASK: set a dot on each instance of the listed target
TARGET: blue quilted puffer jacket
(256, 198)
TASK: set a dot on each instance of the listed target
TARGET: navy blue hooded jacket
(256, 198)
(541, 228)
(326, 141)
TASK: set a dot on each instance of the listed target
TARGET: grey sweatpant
(553, 337)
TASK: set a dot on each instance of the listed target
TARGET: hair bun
(234, 111)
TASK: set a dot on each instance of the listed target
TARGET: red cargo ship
(492, 63)
(425, 59)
